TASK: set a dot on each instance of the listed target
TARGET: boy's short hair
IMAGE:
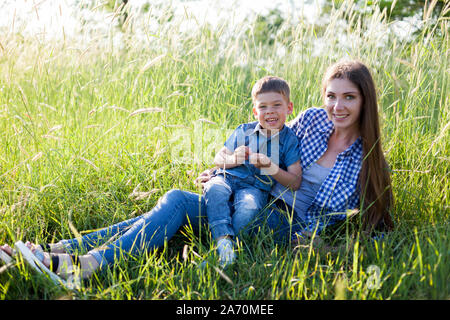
(271, 84)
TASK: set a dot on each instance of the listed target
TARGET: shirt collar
(326, 126)
(355, 150)
(259, 128)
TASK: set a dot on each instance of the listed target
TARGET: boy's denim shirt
(282, 148)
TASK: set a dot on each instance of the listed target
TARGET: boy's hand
(263, 162)
(260, 160)
(241, 154)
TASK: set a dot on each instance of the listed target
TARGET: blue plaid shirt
(340, 191)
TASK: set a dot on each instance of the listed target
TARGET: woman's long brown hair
(374, 178)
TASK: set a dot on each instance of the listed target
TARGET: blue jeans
(247, 202)
(280, 220)
(150, 230)
(146, 232)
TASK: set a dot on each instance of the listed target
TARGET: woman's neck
(345, 138)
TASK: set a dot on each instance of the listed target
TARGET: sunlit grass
(86, 128)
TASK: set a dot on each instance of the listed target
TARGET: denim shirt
(282, 148)
(340, 190)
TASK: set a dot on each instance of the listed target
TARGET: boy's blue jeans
(247, 201)
(150, 230)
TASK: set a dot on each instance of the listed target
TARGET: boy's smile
(271, 110)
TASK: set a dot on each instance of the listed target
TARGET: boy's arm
(227, 159)
(291, 178)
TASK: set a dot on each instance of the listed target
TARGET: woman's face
(343, 103)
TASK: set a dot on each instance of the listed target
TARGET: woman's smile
(340, 116)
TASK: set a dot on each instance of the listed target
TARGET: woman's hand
(317, 243)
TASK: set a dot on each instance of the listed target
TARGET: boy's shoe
(226, 252)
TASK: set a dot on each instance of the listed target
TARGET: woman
(343, 169)
(342, 160)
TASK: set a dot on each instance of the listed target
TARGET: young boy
(253, 157)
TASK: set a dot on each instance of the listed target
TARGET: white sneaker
(6, 258)
(226, 252)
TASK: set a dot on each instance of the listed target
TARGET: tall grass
(75, 155)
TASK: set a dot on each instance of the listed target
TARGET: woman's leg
(175, 209)
(146, 232)
(282, 223)
(87, 242)
(97, 238)
(71, 246)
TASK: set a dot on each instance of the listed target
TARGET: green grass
(72, 153)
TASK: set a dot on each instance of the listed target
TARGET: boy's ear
(290, 108)
(255, 113)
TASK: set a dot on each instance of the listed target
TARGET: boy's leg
(248, 202)
(217, 195)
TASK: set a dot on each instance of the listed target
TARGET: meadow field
(95, 131)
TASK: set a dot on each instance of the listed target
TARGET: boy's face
(271, 110)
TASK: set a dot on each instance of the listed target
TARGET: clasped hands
(259, 160)
(238, 157)
(243, 153)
